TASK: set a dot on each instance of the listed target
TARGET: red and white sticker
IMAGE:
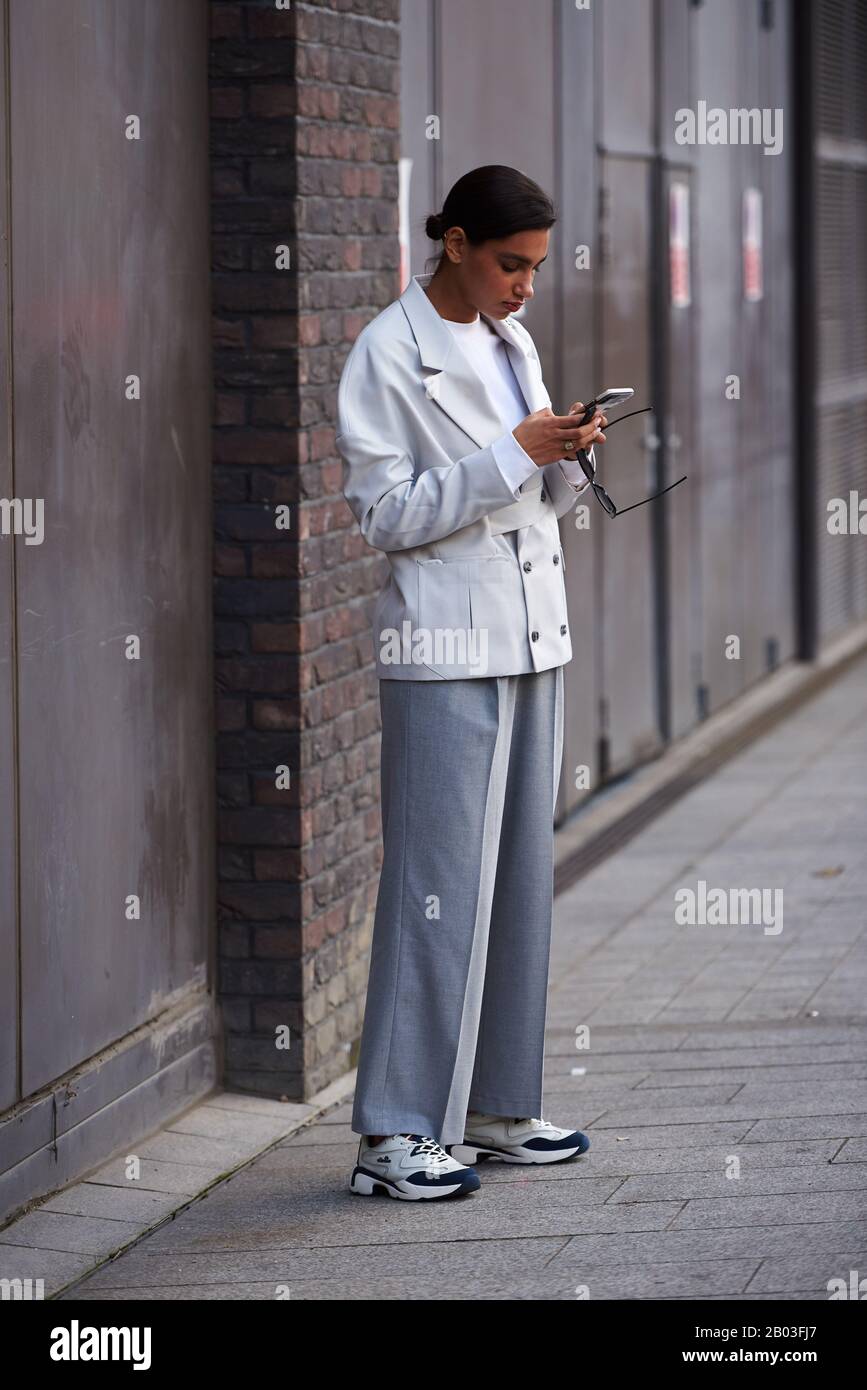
(752, 244)
(678, 244)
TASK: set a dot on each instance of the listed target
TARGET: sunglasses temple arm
(643, 411)
(621, 510)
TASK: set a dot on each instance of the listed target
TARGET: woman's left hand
(578, 408)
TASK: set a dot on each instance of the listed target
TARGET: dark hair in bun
(434, 226)
(490, 203)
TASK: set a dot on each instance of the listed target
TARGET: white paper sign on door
(678, 244)
(752, 244)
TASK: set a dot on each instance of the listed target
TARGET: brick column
(304, 146)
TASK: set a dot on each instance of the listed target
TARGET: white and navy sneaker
(516, 1141)
(410, 1166)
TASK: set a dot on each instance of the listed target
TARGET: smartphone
(607, 400)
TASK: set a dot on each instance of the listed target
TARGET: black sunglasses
(588, 466)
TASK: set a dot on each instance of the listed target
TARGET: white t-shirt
(486, 351)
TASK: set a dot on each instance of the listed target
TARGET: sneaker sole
(367, 1184)
(476, 1153)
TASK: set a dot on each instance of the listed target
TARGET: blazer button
(556, 559)
(542, 495)
(528, 564)
(562, 629)
(534, 636)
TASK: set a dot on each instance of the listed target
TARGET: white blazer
(420, 438)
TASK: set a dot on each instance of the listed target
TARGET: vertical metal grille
(841, 300)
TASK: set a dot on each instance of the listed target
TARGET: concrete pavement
(724, 1086)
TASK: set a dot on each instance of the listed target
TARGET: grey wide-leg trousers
(457, 991)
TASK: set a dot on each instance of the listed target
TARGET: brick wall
(305, 138)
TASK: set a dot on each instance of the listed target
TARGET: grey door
(626, 556)
(111, 748)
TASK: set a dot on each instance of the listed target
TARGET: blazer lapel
(448, 377)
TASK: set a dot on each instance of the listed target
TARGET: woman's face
(497, 277)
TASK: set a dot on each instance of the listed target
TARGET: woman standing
(457, 468)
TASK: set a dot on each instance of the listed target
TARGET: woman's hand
(544, 435)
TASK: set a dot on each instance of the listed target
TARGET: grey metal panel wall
(8, 828)
(480, 115)
(110, 270)
(779, 578)
(627, 77)
(626, 554)
(749, 415)
(579, 369)
(674, 394)
(840, 61)
(442, 44)
(735, 515)
(679, 440)
(731, 526)
(628, 691)
(764, 445)
(717, 473)
(834, 241)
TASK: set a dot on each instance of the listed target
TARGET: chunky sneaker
(412, 1167)
(516, 1141)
